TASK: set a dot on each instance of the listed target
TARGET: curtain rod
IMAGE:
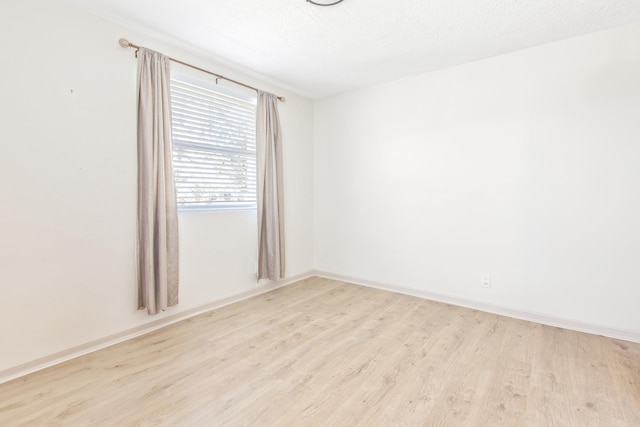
(126, 43)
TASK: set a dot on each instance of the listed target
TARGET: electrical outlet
(485, 280)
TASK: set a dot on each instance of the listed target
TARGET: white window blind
(214, 147)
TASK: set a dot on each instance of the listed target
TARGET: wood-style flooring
(327, 353)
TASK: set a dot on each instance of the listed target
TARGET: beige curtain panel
(157, 206)
(270, 190)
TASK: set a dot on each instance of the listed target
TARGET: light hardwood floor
(327, 353)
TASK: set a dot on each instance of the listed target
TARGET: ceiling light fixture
(324, 4)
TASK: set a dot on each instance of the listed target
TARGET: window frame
(197, 78)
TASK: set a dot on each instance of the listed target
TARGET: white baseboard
(63, 356)
(54, 359)
(544, 319)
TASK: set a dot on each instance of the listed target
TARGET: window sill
(200, 209)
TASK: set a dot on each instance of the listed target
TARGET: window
(214, 145)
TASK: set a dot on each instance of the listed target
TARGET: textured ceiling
(319, 51)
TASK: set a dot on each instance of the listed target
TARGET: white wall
(523, 166)
(68, 187)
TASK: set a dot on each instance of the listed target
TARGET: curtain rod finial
(124, 43)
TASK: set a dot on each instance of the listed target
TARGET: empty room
(320, 213)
